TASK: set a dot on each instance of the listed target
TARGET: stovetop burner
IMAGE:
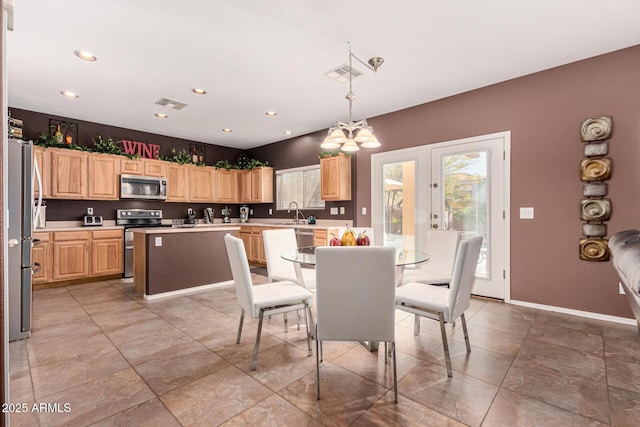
(137, 218)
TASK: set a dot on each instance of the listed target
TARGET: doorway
(458, 185)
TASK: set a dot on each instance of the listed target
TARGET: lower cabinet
(322, 237)
(72, 255)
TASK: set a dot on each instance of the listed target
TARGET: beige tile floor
(118, 360)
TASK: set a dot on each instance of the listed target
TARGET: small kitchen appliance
(226, 211)
(244, 213)
(191, 217)
(208, 215)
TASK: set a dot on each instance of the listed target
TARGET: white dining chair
(441, 303)
(267, 299)
(355, 298)
(275, 243)
(441, 245)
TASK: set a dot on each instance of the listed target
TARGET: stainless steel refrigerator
(20, 236)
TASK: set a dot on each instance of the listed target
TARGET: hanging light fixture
(349, 135)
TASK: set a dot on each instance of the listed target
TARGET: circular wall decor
(594, 249)
(595, 169)
(595, 209)
(596, 128)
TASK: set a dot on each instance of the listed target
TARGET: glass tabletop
(307, 255)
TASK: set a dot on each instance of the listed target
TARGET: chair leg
(306, 318)
(310, 322)
(286, 326)
(395, 372)
(466, 333)
(254, 361)
(240, 327)
(386, 353)
(416, 325)
(318, 368)
(298, 313)
(445, 344)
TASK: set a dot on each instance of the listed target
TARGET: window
(300, 185)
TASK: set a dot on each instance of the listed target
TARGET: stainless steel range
(136, 218)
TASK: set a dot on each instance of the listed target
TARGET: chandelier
(350, 134)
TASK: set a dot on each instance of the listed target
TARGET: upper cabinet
(41, 156)
(69, 173)
(177, 183)
(131, 166)
(227, 186)
(104, 177)
(256, 185)
(335, 178)
(154, 167)
(201, 187)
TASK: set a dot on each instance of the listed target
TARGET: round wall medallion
(596, 128)
(595, 169)
(594, 250)
(595, 209)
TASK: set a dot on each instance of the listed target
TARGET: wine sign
(594, 170)
(142, 149)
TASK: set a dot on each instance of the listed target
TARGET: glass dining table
(307, 255)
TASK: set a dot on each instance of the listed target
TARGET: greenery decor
(224, 164)
(181, 157)
(107, 145)
(45, 140)
(333, 153)
(254, 163)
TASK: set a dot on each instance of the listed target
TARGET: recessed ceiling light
(87, 56)
(288, 132)
(69, 94)
(271, 113)
(161, 116)
(198, 91)
(227, 130)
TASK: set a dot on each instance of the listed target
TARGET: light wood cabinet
(257, 246)
(107, 252)
(256, 185)
(227, 186)
(70, 255)
(335, 178)
(154, 167)
(69, 173)
(177, 183)
(245, 236)
(201, 184)
(104, 177)
(322, 237)
(131, 166)
(42, 256)
(41, 156)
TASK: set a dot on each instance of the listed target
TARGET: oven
(136, 218)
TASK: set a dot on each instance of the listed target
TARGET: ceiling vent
(170, 103)
(341, 73)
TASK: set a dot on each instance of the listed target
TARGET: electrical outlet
(341, 210)
(89, 211)
(526, 213)
(158, 240)
(334, 211)
(250, 211)
(364, 210)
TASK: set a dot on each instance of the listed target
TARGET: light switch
(270, 211)
(159, 241)
(364, 210)
(526, 213)
(341, 210)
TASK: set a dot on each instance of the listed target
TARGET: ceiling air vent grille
(170, 103)
(341, 73)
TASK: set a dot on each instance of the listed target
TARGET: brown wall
(543, 111)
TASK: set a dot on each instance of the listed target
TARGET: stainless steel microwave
(143, 187)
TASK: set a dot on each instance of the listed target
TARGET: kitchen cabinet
(177, 183)
(107, 252)
(41, 156)
(227, 186)
(201, 184)
(154, 167)
(256, 185)
(70, 255)
(69, 173)
(257, 246)
(335, 178)
(245, 235)
(42, 255)
(131, 166)
(322, 237)
(104, 176)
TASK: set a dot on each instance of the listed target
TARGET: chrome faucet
(296, 220)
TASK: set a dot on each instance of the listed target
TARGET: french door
(457, 185)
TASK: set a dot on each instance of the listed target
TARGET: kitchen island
(170, 261)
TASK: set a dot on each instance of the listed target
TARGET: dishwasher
(304, 237)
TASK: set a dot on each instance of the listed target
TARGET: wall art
(596, 128)
(594, 249)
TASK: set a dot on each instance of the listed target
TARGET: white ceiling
(253, 56)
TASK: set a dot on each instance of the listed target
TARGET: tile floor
(118, 360)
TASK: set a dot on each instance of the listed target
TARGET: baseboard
(588, 314)
(187, 290)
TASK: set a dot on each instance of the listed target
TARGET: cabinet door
(104, 177)
(71, 259)
(262, 185)
(107, 256)
(245, 186)
(246, 239)
(155, 167)
(335, 178)
(201, 184)
(42, 255)
(177, 183)
(41, 156)
(227, 186)
(257, 248)
(68, 174)
(131, 166)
